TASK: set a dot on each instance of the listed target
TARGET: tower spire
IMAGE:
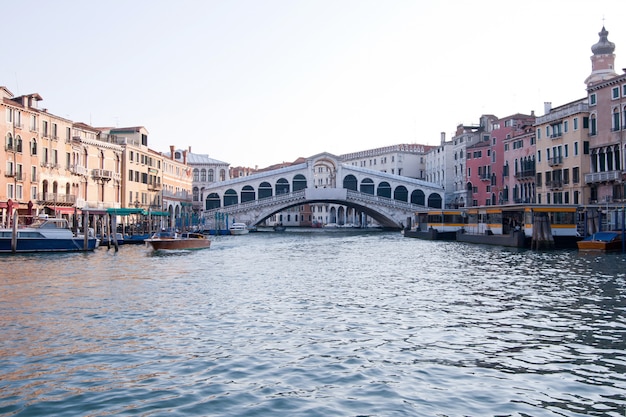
(602, 60)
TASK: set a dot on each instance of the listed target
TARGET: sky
(259, 82)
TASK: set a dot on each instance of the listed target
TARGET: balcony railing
(557, 160)
(528, 173)
(78, 170)
(154, 186)
(102, 174)
(596, 177)
(57, 198)
(554, 185)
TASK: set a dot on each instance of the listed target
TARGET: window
(575, 148)
(592, 127)
(566, 147)
(538, 180)
(615, 93)
(592, 99)
(538, 133)
(33, 147)
(538, 156)
(575, 175)
(565, 126)
(44, 128)
(575, 123)
(616, 116)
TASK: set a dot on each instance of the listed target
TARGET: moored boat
(531, 226)
(167, 240)
(238, 229)
(45, 234)
(612, 241)
(436, 225)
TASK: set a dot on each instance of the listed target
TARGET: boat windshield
(48, 223)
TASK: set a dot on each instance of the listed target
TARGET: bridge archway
(434, 201)
(401, 193)
(350, 182)
(418, 197)
(247, 194)
(367, 186)
(265, 190)
(212, 201)
(282, 186)
(384, 189)
(230, 198)
(299, 182)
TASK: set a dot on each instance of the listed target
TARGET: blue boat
(45, 235)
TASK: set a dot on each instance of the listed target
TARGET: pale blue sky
(265, 81)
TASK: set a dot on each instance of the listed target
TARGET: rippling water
(315, 324)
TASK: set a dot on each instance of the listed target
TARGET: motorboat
(45, 234)
(238, 229)
(279, 227)
(602, 242)
(170, 240)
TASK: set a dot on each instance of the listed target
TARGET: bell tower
(602, 60)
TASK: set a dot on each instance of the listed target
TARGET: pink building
(486, 161)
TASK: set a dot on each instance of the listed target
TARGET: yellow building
(561, 159)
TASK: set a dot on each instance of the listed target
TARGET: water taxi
(169, 240)
(611, 241)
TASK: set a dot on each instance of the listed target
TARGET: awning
(159, 213)
(4, 204)
(66, 210)
(126, 211)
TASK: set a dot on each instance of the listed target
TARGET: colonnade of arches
(350, 182)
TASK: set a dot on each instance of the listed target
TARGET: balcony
(102, 174)
(54, 198)
(525, 174)
(554, 185)
(557, 160)
(485, 177)
(78, 169)
(154, 187)
(607, 176)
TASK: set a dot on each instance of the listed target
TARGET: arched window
(196, 175)
(203, 175)
(211, 176)
(350, 182)
(33, 147)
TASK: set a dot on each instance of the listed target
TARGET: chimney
(547, 107)
(171, 151)
(185, 157)
(443, 137)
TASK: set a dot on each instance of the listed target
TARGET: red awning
(66, 210)
(4, 204)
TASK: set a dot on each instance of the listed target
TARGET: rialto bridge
(323, 178)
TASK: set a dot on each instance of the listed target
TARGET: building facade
(606, 95)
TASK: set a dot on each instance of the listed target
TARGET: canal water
(314, 324)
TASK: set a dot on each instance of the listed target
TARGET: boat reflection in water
(170, 240)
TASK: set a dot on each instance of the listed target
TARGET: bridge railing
(263, 202)
(384, 201)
